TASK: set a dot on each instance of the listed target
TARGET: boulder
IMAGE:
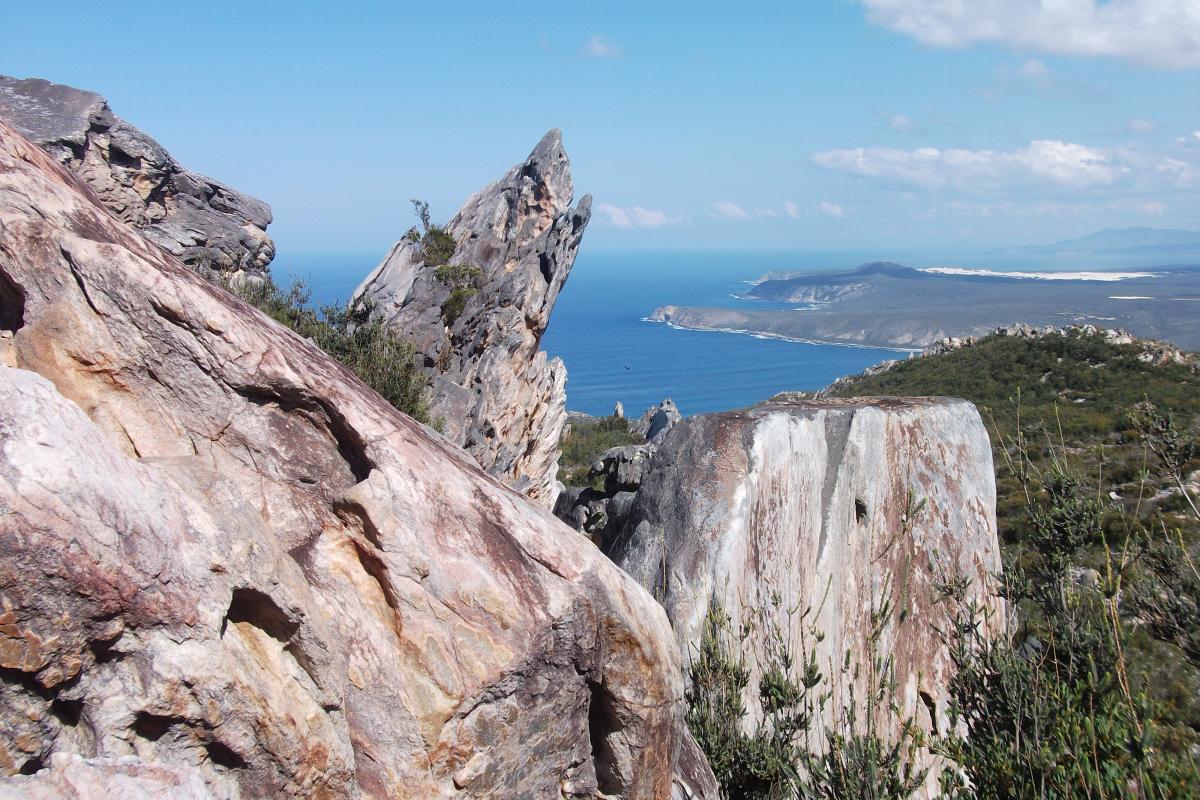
(203, 223)
(494, 392)
(222, 554)
(622, 468)
(657, 420)
(827, 506)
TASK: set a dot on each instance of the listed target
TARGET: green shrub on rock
(350, 334)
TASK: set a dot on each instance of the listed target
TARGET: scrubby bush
(584, 442)
(352, 335)
(437, 247)
(790, 751)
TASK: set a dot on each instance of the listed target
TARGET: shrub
(350, 334)
(787, 754)
(437, 247)
(1051, 711)
(585, 441)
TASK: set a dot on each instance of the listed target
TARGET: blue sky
(821, 124)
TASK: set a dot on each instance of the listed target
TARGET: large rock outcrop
(221, 554)
(811, 500)
(498, 396)
(203, 223)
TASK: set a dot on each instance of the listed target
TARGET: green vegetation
(586, 441)
(437, 247)
(1073, 391)
(371, 350)
(1056, 709)
(460, 279)
(788, 751)
(1093, 691)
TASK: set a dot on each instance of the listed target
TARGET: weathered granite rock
(200, 221)
(499, 397)
(810, 500)
(623, 467)
(72, 777)
(657, 421)
(220, 552)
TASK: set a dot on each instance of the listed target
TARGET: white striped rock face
(223, 556)
(806, 499)
(499, 397)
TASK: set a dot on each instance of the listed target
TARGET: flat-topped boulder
(825, 505)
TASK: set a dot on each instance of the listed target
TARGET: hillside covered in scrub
(1120, 418)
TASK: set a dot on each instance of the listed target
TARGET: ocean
(613, 354)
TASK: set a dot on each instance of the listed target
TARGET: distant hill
(1157, 242)
(889, 305)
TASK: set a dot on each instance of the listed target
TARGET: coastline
(767, 335)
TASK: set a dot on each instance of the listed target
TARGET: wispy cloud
(1153, 208)
(1157, 33)
(1033, 74)
(636, 217)
(902, 124)
(1036, 72)
(1191, 140)
(728, 210)
(792, 209)
(598, 46)
(1044, 160)
(1141, 126)
(831, 209)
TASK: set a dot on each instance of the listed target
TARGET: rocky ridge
(1152, 351)
(203, 223)
(499, 396)
(223, 557)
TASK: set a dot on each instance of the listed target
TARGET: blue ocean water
(612, 353)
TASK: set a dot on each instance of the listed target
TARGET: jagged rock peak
(498, 396)
(227, 565)
(200, 221)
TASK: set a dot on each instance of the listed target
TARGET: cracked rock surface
(225, 559)
(200, 221)
(498, 395)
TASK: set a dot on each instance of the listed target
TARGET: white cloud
(636, 217)
(1158, 33)
(1142, 126)
(1154, 208)
(729, 210)
(1036, 72)
(1191, 140)
(765, 212)
(831, 209)
(901, 123)
(792, 210)
(598, 46)
(1043, 160)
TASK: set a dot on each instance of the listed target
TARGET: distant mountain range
(1156, 242)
